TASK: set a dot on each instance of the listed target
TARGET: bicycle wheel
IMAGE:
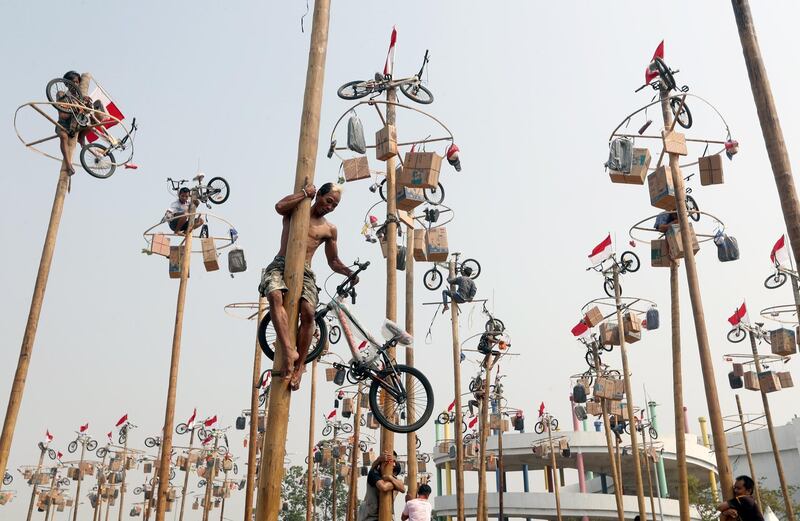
(426, 457)
(91, 445)
(98, 160)
(665, 74)
(327, 430)
(473, 265)
(589, 377)
(362, 446)
(553, 424)
(684, 118)
(60, 86)
(692, 209)
(7, 479)
(393, 415)
(235, 469)
(475, 384)
(201, 483)
(613, 373)
(138, 490)
(335, 334)
(443, 419)
(218, 190)
(222, 450)
(101, 452)
(432, 279)
(736, 335)
(347, 428)
(356, 89)
(653, 433)
(150, 442)
(608, 287)
(419, 443)
(267, 337)
(775, 281)
(181, 428)
(630, 262)
(539, 427)
(495, 325)
(72, 447)
(589, 357)
(417, 92)
(468, 437)
(434, 196)
(262, 398)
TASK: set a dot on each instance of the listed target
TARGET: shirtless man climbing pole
(273, 286)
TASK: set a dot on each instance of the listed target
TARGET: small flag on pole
(779, 254)
(651, 72)
(580, 329)
(602, 251)
(83, 428)
(388, 67)
(122, 420)
(191, 419)
(331, 414)
(740, 315)
(211, 421)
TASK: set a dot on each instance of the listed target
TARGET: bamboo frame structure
(224, 242)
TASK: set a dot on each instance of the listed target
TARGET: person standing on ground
(273, 286)
(742, 507)
(418, 509)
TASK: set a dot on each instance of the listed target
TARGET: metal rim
(773, 313)
(705, 237)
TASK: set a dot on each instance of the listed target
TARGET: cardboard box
(738, 369)
(175, 258)
(436, 249)
(609, 388)
(785, 378)
(659, 254)
(710, 170)
(593, 317)
(386, 143)
(609, 333)
(769, 382)
(409, 198)
(420, 170)
(420, 253)
(405, 218)
(160, 245)
(662, 191)
(675, 241)
(347, 407)
(209, 254)
(639, 165)
(751, 381)
(330, 374)
(356, 168)
(594, 408)
(782, 342)
(674, 143)
(632, 325)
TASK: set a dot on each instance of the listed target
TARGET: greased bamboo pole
(677, 387)
(252, 448)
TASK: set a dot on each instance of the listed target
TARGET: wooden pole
(79, 480)
(98, 503)
(649, 475)
(386, 499)
(186, 473)
(271, 472)
(209, 480)
(501, 484)
(712, 478)
(254, 414)
(607, 429)
(776, 450)
(554, 465)
(157, 475)
(747, 451)
(28, 338)
(310, 491)
(124, 479)
(355, 451)
(677, 388)
(770, 126)
(49, 508)
(224, 493)
(334, 474)
(483, 433)
(43, 449)
(458, 435)
(411, 437)
(172, 388)
(706, 363)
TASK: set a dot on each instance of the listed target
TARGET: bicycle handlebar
(346, 287)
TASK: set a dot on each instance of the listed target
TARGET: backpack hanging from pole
(620, 155)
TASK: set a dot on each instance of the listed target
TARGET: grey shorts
(272, 280)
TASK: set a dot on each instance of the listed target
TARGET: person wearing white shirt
(418, 509)
(177, 213)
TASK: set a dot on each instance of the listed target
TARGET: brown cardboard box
(674, 143)
(347, 406)
(608, 388)
(675, 242)
(662, 191)
(330, 374)
(769, 382)
(594, 408)
(356, 168)
(420, 170)
(175, 257)
(639, 165)
(609, 333)
(436, 244)
(419, 245)
(386, 143)
(751, 381)
(593, 317)
(632, 325)
(710, 170)
(783, 342)
(409, 198)
(160, 245)
(785, 378)
(209, 254)
(405, 218)
(738, 369)
(659, 253)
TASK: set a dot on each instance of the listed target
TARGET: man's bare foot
(289, 365)
(294, 384)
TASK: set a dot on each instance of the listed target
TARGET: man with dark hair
(742, 507)
(465, 289)
(177, 215)
(68, 126)
(418, 509)
(368, 509)
(273, 286)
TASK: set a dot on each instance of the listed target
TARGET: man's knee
(306, 312)
(275, 298)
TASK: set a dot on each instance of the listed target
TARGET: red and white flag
(111, 110)
(108, 434)
(651, 72)
(208, 439)
(388, 67)
(59, 454)
(780, 254)
(602, 251)
(580, 329)
(740, 315)
(211, 421)
(451, 406)
(191, 419)
(472, 422)
(266, 379)
(541, 410)
(83, 428)
(331, 414)
(122, 420)
(48, 437)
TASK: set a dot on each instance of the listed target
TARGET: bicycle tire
(7, 479)
(335, 334)
(468, 437)
(262, 398)
(413, 90)
(201, 483)
(101, 166)
(613, 373)
(327, 430)
(432, 279)
(91, 445)
(101, 452)
(401, 374)
(426, 457)
(589, 377)
(347, 428)
(630, 262)
(51, 90)
(653, 433)
(443, 419)
(357, 89)
(736, 335)
(434, 196)
(181, 428)
(684, 119)
(171, 474)
(553, 424)
(475, 385)
(138, 490)
(665, 74)
(266, 336)
(72, 447)
(473, 265)
(778, 280)
(692, 209)
(64, 482)
(419, 444)
(539, 427)
(362, 446)
(589, 357)
(608, 287)
(222, 450)
(494, 325)
(150, 442)
(220, 190)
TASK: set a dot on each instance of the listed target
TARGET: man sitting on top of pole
(273, 286)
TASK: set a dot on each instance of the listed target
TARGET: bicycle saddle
(397, 332)
(198, 177)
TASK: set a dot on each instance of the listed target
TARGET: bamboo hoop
(224, 242)
(232, 310)
(627, 304)
(774, 313)
(705, 237)
(748, 358)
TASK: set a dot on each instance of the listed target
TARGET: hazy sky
(531, 91)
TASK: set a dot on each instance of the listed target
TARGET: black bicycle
(412, 87)
(692, 208)
(433, 278)
(7, 479)
(666, 80)
(628, 263)
(216, 191)
(91, 444)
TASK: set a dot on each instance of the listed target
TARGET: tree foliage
(293, 493)
(701, 498)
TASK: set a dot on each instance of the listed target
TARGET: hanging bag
(355, 135)
(652, 320)
(620, 155)
(727, 247)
